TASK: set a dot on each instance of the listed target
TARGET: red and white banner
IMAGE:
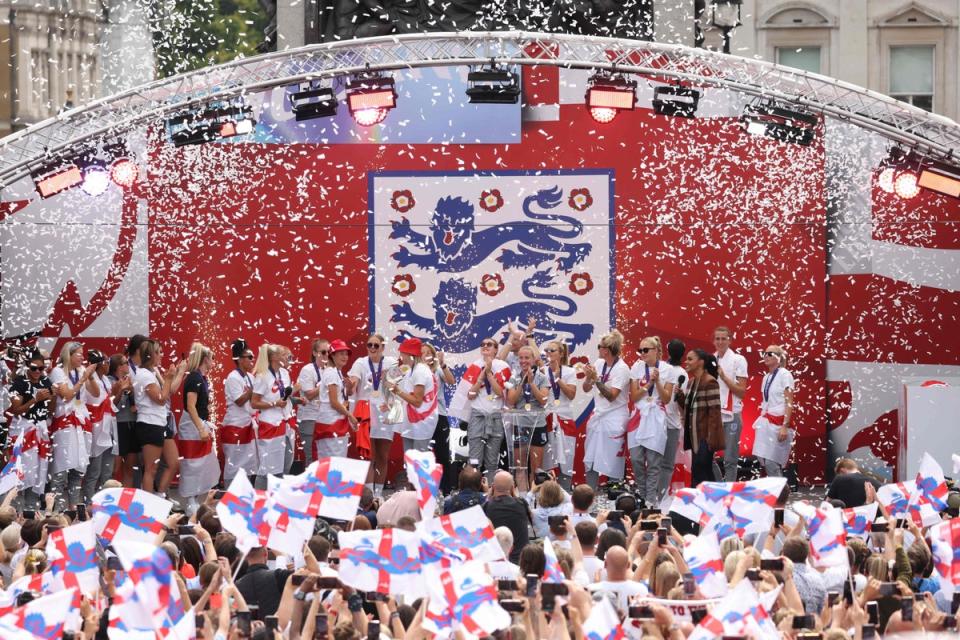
(129, 515)
(72, 555)
(702, 556)
(385, 560)
(459, 536)
(463, 597)
(945, 545)
(330, 487)
(424, 474)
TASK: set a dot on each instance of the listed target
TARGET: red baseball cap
(412, 346)
(338, 345)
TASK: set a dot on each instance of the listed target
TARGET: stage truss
(929, 134)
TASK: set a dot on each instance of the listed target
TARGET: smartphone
(114, 564)
(689, 585)
(507, 585)
(548, 603)
(320, 627)
(272, 623)
(52, 527)
(556, 521)
(29, 514)
(662, 536)
(541, 477)
(833, 597)
(512, 606)
(847, 592)
(199, 620)
(184, 529)
(373, 630)
(297, 579)
(873, 611)
(649, 525)
(243, 622)
(901, 523)
(554, 589)
(888, 589)
(771, 564)
(868, 631)
(254, 611)
(532, 581)
(778, 517)
(82, 512)
(950, 622)
(328, 583)
(640, 612)
(646, 513)
(906, 609)
(880, 527)
(955, 604)
(804, 622)
(753, 574)
(374, 596)
(809, 635)
(696, 615)
(71, 513)
(666, 522)
(218, 495)
(615, 516)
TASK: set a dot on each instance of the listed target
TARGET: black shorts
(126, 443)
(149, 434)
(539, 438)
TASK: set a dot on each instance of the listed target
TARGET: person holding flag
(773, 432)
(487, 378)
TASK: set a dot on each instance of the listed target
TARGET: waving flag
(155, 590)
(827, 534)
(242, 512)
(764, 491)
(330, 487)
(385, 560)
(551, 568)
(898, 498)
(72, 554)
(46, 617)
(858, 521)
(703, 559)
(603, 623)
(689, 503)
(945, 545)
(129, 515)
(462, 535)
(459, 406)
(931, 485)
(740, 613)
(425, 474)
(11, 476)
(463, 597)
(37, 583)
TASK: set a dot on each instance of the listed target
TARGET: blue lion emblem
(454, 246)
(456, 327)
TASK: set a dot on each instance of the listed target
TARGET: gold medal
(492, 398)
(77, 402)
(556, 402)
(375, 394)
(526, 407)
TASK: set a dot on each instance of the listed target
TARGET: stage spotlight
(886, 178)
(906, 184)
(53, 182)
(493, 85)
(216, 120)
(370, 97)
(96, 179)
(124, 172)
(313, 100)
(942, 179)
(669, 100)
(779, 123)
(607, 95)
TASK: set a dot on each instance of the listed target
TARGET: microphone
(681, 380)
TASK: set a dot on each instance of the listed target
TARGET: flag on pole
(703, 559)
(945, 546)
(899, 500)
(384, 560)
(827, 534)
(129, 515)
(463, 597)
(330, 487)
(242, 512)
(739, 613)
(931, 485)
(155, 591)
(11, 476)
(462, 535)
(45, 618)
(72, 556)
(551, 568)
(424, 474)
(603, 623)
(858, 521)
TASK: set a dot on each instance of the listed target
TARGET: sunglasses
(602, 346)
(488, 343)
(373, 345)
(323, 352)
(549, 350)
(645, 350)
(36, 368)
(250, 357)
(774, 354)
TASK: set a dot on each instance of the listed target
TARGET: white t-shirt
(148, 411)
(641, 373)
(309, 377)
(564, 409)
(488, 402)
(235, 386)
(327, 414)
(503, 570)
(734, 366)
(58, 377)
(267, 386)
(287, 408)
(776, 404)
(624, 591)
(422, 429)
(670, 374)
(361, 371)
(617, 377)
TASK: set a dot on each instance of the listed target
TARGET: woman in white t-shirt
(607, 425)
(271, 389)
(529, 395)
(291, 432)
(73, 384)
(366, 384)
(103, 437)
(331, 433)
(647, 431)
(561, 428)
(310, 391)
(152, 389)
(443, 377)
(773, 434)
(418, 389)
(676, 377)
(238, 431)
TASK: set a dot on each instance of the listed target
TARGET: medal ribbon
(769, 383)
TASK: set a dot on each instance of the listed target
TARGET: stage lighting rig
(313, 100)
(772, 120)
(92, 169)
(674, 100)
(370, 96)
(215, 120)
(608, 94)
(493, 85)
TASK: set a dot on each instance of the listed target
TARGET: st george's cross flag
(463, 597)
(931, 485)
(898, 499)
(459, 536)
(459, 406)
(764, 491)
(827, 534)
(72, 556)
(945, 546)
(330, 487)
(551, 568)
(424, 474)
(37, 583)
(858, 521)
(11, 476)
(384, 560)
(46, 617)
(703, 558)
(242, 511)
(129, 515)
(154, 589)
(289, 528)
(603, 623)
(739, 613)
(689, 503)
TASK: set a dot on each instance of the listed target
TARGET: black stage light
(669, 100)
(313, 100)
(779, 123)
(493, 85)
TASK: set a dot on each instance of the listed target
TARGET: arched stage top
(929, 134)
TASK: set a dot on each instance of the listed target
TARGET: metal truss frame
(928, 134)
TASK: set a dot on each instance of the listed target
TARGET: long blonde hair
(66, 352)
(267, 351)
(198, 353)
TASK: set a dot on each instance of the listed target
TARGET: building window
(803, 58)
(911, 75)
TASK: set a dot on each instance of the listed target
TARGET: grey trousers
(668, 460)
(66, 487)
(416, 445)
(484, 437)
(99, 470)
(773, 469)
(646, 472)
(731, 450)
(306, 438)
(28, 499)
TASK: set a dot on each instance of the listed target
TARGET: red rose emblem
(402, 201)
(580, 199)
(492, 284)
(491, 200)
(577, 363)
(403, 285)
(581, 283)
